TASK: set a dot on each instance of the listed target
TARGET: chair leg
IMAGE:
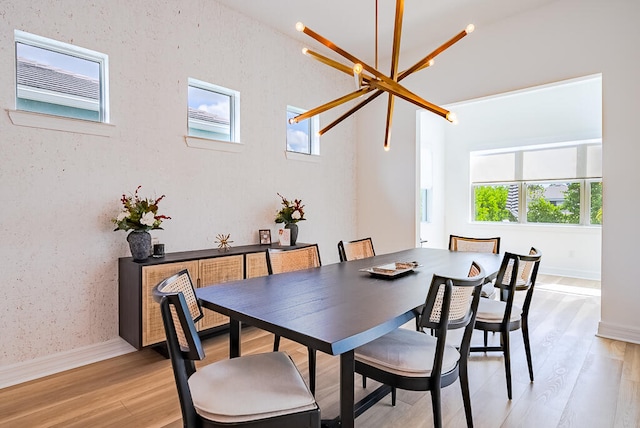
(276, 343)
(527, 346)
(507, 360)
(466, 394)
(364, 381)
(393, 395)
(486, 337)
(312, 370)
(437, 407)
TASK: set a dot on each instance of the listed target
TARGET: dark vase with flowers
(294, 232)
(290, 214)
(139, 215)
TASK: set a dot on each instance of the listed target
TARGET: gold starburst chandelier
(376, 83)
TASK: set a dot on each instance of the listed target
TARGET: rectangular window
(556, 202)
(498, 202)
(60, 79)
(302, 137)
(424, 205)
(213, 112)
(554, 184)
(595, 208)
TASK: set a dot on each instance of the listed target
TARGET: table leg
(347, 392)
(234, 338)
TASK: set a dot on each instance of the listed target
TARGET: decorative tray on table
(391, 270)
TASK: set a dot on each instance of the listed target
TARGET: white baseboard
(39, 367)
(571, 273)
(618, 332)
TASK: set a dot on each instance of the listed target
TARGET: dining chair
(281, 260)
(503, 316)
(261, 390)
(418, 361)
(356, 250)
(477, 245)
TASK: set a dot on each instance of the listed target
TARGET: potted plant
(139, 215)
(290, 214)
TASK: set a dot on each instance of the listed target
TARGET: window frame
(234, 111)
(314, 138)
(70, 50)
(582, 179)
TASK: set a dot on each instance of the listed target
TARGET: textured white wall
(562, 40)
(554, 113)
(60, 189)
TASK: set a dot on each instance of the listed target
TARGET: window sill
(60, 123)
(207, 144)
(302, 157)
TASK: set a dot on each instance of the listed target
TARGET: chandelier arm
(387, 133)
(397, 33)
(351, 111)
(331, 104)
(335, 64)
(407, 95)
(425, 62)
(309, 32)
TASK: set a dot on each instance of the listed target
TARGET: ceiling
(350, 24)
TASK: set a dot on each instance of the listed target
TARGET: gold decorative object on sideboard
(139, 318)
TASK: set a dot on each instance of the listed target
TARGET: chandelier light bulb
(304, 51)
(470, 28)
(292, 121)
(387, 148)
(357, 68)
(451, 117)
(299, 26)
(431, 62)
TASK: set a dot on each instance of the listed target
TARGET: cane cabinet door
(217, 271)
(152, 328)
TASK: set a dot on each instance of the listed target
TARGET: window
(557, 184)
(302, 137)
(213, 112)
(555, 202)
(60, 79)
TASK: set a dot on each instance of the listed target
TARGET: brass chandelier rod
(377, 82)
(420, 65)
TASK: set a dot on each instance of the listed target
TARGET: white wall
(563, 112)
(59, 190)
(562, 40)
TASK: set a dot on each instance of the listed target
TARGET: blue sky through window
(58, 60)
(211, 102)
(298, 138)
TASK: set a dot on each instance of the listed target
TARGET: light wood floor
(581, 381)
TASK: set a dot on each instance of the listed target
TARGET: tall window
(213, 111)
(302, 137)
(60, 79)
(558, 183)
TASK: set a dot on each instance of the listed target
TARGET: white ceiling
(350, 24)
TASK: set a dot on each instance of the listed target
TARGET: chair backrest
(527, 270)
(526, 267)
(355, 250)
(292, 259)
(476, 245)
(180, 310)
(450, 301)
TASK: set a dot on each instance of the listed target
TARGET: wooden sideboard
(139, 318)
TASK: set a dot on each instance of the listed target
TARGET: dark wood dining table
(337, 307)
